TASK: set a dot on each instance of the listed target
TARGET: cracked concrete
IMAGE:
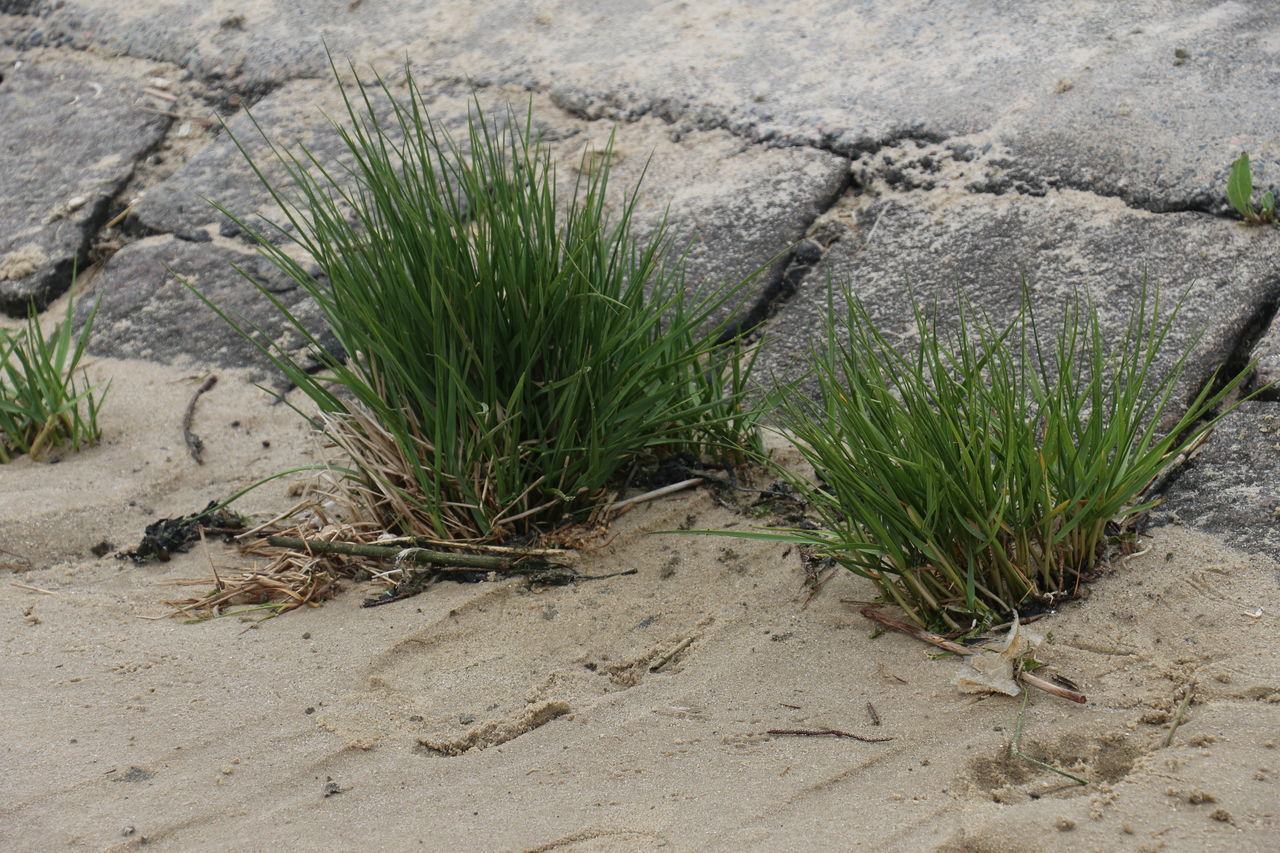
(1220, 488)
(1098, 99)
(71, 139)
(927, 218)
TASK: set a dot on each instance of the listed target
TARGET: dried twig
(1060, 690)
(427, 542)
(887, 674)
(194, 443)
(620, 506)
(159, 93)
(421, 556)
(1178, 715)
(919, 633)
(119, 217)
(873, 714)
(827, 733)
(669, 656)
(955, 648)
(28, 586)
(296, 508)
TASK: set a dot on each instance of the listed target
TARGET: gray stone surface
(258, 45)
(1267, 355)
(301, 115)
(146, 312)
(69, 137)
(1149, 100)
(929, 221)
(1231, 487)
(218, 173)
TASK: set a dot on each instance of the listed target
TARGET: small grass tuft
(509, 348)
(973, 475)
(41, 404)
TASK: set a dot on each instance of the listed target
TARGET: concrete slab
(925, 218)
(1231, 487)
(1144, 100)
(1267, 355)
(146, 312)
(69, 138)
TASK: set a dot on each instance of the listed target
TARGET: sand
(328, 728)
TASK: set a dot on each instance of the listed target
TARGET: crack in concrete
(1250, 335)
(807, 254)
(849, 144)
(748, 123)
(1215, 377)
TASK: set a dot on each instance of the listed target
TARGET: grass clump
(509, 347)
(41, 404)
(975, 474)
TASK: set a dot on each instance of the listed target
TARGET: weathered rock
(257, 48)
(1231, 487)
(146, 312)
(1148, 100)
(932, 241)
(219, 174)
(1267, 355)
(69, 138)
(735, 208)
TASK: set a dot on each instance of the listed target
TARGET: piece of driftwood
(421, 556)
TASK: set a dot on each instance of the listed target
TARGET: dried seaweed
(176, 535)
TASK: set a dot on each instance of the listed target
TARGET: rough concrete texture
(1229, 486)
(69, 138)
(925, 228)
(1267, 356)
(144, 311)
(1146, 100)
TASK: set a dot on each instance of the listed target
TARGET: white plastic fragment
(991, 670)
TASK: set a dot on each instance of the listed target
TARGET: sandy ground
(324, 728)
